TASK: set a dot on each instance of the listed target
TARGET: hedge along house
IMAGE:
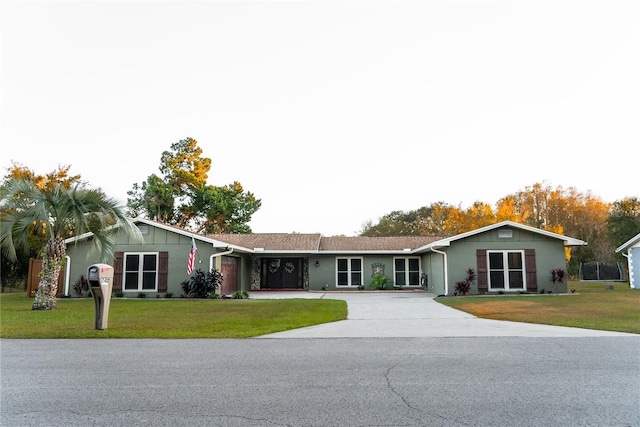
(508, 257)
(631, 251)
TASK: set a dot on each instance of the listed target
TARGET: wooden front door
(281, 273)
(229, 275)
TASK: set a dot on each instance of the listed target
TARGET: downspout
(446, 275)
(217, 255)
(67, 268)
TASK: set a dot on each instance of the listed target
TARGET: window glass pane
(414, 278)
(356, 279)
(343, 279)
(342, 264)
(399, 263)
(414, 264)
(400, 278)
(515, 260)
(131, 281)
(515, 280)
(149, 262)
(132, 262)
(356, 264)
(495, 260)
(149, 280)
(497, 279)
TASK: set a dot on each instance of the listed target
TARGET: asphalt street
(493, 378)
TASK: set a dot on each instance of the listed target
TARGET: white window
(141, 271)
(406, 271)
(506, 270)
(349, 271)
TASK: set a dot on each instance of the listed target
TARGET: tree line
(33, 223)
(567, 211)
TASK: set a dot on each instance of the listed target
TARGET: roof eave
(629, 243)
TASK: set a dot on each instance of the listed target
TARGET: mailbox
(101, 282)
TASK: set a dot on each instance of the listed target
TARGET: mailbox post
(101, 282)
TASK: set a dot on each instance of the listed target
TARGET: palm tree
(62, 211)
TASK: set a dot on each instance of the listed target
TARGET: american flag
(192, 256)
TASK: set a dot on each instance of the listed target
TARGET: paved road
(342, 374)
(483, 381)
(414, 314)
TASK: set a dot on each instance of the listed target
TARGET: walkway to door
(413, 314)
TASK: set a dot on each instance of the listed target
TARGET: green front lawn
(592, 307)
(165, 318)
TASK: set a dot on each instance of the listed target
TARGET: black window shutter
(481, 260)
(163, 271)
(530, 266)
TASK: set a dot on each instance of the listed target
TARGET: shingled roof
(362, 243)
(271, 241)
(297, 242)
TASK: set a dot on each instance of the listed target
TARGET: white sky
(332, 113)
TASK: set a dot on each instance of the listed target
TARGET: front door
(281, 273)
(229, 275)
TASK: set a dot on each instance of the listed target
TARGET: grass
(592, 307)
(165, 318)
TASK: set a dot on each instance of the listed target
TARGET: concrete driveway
(413, 314)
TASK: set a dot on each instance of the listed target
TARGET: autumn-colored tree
(562, 211)
(181, 196)
(440, 221)
(60, 175)
(506, 209)
(478, 215)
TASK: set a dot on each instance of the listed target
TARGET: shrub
(240, 295)
(378, 282)
(142, 294)
(201, 284)
(557, 277)
(464, 286)
(81, 287)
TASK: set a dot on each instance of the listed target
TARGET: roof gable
(568, 241)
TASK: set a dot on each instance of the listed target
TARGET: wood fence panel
(33, 278)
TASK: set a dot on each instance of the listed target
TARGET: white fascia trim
(568, 241)
(629, 243)
(282, 251)
(432, 247)
(398, 252)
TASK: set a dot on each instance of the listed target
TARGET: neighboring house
(507, 257)
(631, 250)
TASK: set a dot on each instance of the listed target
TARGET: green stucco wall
(80, 257)
(461, 255)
